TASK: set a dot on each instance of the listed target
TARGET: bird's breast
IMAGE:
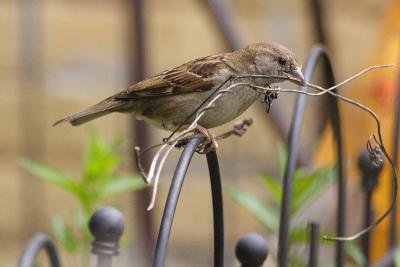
(229, 106)
(170, 111)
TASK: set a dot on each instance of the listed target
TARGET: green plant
(97, 181)
(307, 186)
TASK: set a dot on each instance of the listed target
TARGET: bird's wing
(194, 76)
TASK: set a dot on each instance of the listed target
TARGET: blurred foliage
(397, 257)
(307, 187)
(98, 180)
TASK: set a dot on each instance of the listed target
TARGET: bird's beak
(297, 74)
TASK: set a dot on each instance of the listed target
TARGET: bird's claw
(209, 143)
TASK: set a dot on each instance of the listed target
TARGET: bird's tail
(103, 108)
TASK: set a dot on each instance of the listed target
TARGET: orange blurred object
(377, 90)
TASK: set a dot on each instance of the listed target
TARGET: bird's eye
(282, 61)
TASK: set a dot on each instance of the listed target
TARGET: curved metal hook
(32, 249)
(317, 53)
(172, 201)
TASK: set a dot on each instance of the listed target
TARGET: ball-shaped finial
(370, 172)
(251, 250)
(106, 226)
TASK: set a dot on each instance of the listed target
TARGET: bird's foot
(209, 143)
(210, 140)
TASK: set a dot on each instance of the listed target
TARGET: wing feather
(193, 76)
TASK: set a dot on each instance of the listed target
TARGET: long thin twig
(157, 165)
(286, 77)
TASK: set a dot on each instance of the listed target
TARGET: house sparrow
(171, 97)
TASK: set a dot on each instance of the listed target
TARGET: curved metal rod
(32, 249)
(317, 53)
(341, 186)
(218, 208)
(172, 201)
(287, 186)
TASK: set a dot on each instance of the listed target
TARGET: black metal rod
(341, 182)
(218, 210)
(369, 183)
(334, 117)
(320, 30)
(314, 244)
(319, 22)
(172, 201)
(317, 53)
(293, 145)
(104, 261)
(32, 249)
(368, 215)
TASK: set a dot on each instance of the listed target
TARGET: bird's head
(276, 60)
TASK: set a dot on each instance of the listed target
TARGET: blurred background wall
(58, 57)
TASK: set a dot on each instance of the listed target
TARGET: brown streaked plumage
(169, 98)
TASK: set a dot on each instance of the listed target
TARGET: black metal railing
(106, 224)
(38, 243)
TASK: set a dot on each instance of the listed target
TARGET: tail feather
(103, 108)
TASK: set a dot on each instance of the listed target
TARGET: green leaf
(266, 214)
(355, 253)
(282, 157)
(121, 184)
(49, 174)
(308, 186)
(63, 234)
(299, 235)
(273, 186)
(101, 159)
